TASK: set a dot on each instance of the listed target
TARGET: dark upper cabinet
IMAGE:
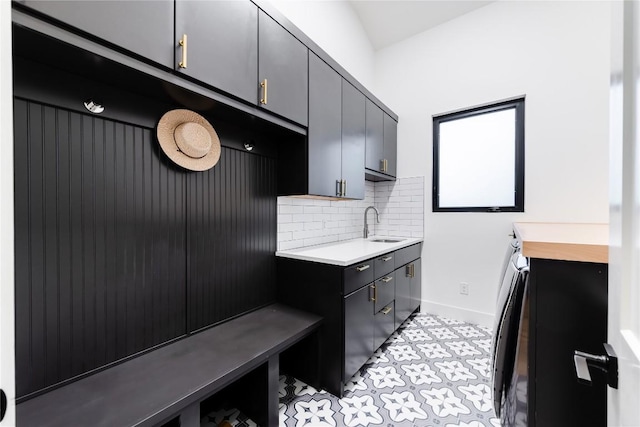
(353, 140)
(222, 45)
(381, 141)
(283, 80)
(142, 27)
(336, 134)
(358, 330)
(390, 145)
(374, 137)
(325, 134)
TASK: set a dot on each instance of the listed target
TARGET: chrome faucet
(366, 226)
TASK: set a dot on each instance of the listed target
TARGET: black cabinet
(568, 312)
(374, 137)
(353, 140)
(381, 141)
(282, 71)
(358, 330)
(390, 145)
(222, 45)
(356, 302)
(325, 134)
(408, 292)
(336, 134)
(142, 27)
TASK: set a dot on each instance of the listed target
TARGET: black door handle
(3, 404)
(605, 362)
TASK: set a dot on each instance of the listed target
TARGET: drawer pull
(387, 258)
(386, 310)
(387, 279)
(362, 267)
(375, 293)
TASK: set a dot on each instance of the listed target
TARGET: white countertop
(348, 252)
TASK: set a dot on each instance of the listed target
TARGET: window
(478, 159)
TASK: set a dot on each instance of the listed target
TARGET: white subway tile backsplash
(305, 222)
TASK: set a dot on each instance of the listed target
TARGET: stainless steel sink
(386, 240)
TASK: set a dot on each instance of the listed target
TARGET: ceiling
(389, 21)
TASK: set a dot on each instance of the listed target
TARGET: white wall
(336, 28)
(7, 347)
(555, 53)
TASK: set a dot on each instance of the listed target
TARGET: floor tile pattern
(432, 371)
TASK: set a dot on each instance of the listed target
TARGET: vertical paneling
(100, 244)
(232, 237)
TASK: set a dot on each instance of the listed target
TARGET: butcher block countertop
(564, 241)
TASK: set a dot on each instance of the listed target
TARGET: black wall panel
(232, 237)
(100, 244)
(118, 250)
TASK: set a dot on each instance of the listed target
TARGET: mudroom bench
(167, 385)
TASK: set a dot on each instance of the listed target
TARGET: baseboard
(471, 316)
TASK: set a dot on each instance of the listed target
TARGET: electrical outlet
(464, 288)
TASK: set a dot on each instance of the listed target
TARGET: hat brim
(165, 132)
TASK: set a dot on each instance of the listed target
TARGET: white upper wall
(557, 54)
(335, 27)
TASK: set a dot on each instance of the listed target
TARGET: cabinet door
(283, 63)
(416, 285)
(358, 330)
(390, 145)
(383, 325)
(403, 294)
(385, 290)
(142, 27)
(222, 44)
(325, 135)
(374, 137)
(353, 140)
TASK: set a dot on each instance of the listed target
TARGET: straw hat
(189, 140)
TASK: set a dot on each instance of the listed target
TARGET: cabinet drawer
(384, 291)
(384, 264)
(408, 254)
(357, 276)
(383, 325)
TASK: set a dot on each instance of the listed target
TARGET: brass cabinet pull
(387, 258)
(362, 267)
(410, 270)
(375, 293)
(382, 165)
(338, 188)
(387, 279)
(265, 88)
(183, 43)
(386, 310)
(344, 189)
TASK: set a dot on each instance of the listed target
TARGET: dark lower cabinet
(408, 292)
(222, 45)
(283, 79)
(356, 303)
(383, 325)
(358, 330)
(142, 27)
(568, 312)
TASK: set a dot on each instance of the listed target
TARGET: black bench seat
(158, 386)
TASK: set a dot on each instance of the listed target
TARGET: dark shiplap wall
(117, 250)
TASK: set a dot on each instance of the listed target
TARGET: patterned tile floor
(433, 371)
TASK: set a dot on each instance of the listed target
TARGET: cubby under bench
(167, 385)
